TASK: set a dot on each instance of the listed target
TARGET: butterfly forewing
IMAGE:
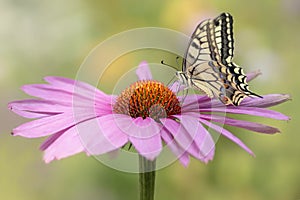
(223, 32)
(208, 61)
(199, 49)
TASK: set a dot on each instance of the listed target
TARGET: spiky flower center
(147, 99)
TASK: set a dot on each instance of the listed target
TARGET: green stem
(147, 178)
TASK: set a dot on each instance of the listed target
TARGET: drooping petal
(143, 72)
(252, 126)
(93, 136)
(101, 135)
(206, 144)
(227, 134)
(182, 136)
(184, 159)
(149, 147)
(138, 127)
(145, 136)
(199, 135)
(52, 138)
(180, 153)
(67, 144)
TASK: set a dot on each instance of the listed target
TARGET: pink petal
(143, 72)
(184, 159)
(64, 146)
(206, 144)
(101, 135)
(175, 147)
(51, 139)
(88, 136)
(252, 126)
(49, 92)
(252, 75)
(37, 105)
(144, 134)
(31, 115)
(79, 88)
(193, 103)
(228, 135)
(36, 108)
(201, 137)
(184, 138)
(202, 140)
(177, 87)
(249, 111)
(149, 147)
(267, 100)
(66, 83)
(138, 127)
(52, 93)
(74, 98)
(49, 125)
(70, 84)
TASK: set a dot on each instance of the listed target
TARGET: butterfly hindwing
(212, 79)
(235, 88)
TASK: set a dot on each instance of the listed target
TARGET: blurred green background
(41, 38)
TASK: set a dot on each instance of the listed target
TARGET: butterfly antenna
(177, 60)
(166, 64)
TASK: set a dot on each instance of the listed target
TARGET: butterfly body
(208, 65)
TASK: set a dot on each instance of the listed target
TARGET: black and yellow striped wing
(212, 40)
(208, 62)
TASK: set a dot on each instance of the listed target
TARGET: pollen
(147, 99)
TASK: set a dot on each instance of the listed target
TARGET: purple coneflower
(78, 117)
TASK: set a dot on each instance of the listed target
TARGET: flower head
(78, 117)
(147, 99)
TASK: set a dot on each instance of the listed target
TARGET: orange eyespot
(226, 86)
(226, 100)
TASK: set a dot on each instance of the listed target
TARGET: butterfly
(207, 64)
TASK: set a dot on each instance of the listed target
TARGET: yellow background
(42, 38)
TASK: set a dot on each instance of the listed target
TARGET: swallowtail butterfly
(208, 66)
